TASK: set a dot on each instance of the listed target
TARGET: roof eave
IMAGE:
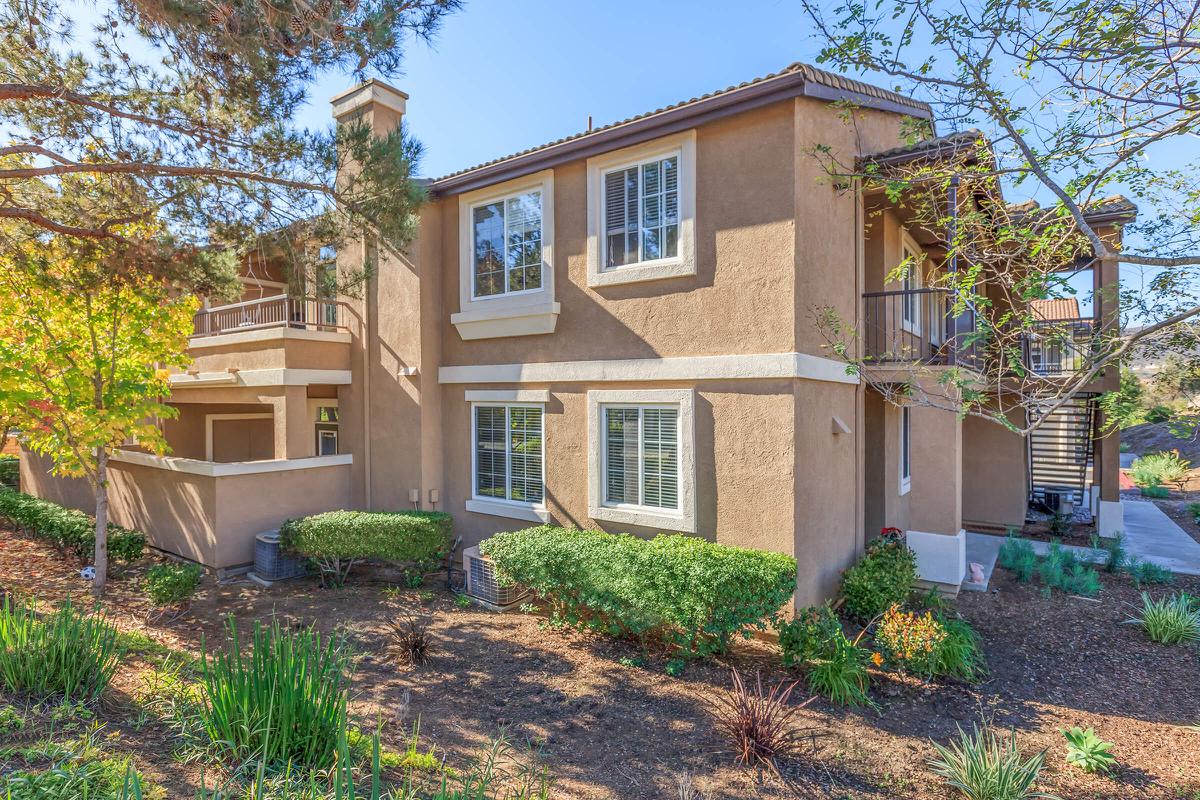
(782, 87)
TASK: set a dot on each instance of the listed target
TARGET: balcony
(281, 311)
(914, 326)
(1058, 347)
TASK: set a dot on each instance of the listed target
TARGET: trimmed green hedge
(10, 470)
(690, 593)
(168, 584)
(67, 529)
(336, 540)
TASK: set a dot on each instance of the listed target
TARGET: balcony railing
(1059, 346)
(271, 312)
(916, 326)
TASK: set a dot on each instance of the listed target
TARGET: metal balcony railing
(1059, 346)
(916, 326)
(280, 311)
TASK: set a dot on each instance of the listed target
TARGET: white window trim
(496, 507)
(523, 313)
(209, 419)
(681, 144)
(905, 480)
(323, 434)
(916, 278)
(683, 520)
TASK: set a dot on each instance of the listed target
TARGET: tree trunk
(100, 560)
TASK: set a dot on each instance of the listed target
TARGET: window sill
(497, 508)
(636, 273)
(645, 519)
(506, 320)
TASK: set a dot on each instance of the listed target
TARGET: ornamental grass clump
(757, 722)
(883, 577)
(833, 665)
(1159, 469)
(337, 540)
(694, 595)
(982, 765)
(60, 653)
(960, 655)
(1171, 620)
(281, 701)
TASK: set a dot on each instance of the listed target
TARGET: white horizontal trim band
(508, 396)
(279, 376)
(682, 368)
(266, 335)
(214, 469)
(510, 510)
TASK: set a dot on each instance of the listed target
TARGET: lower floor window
(641, 456)
(508, 453)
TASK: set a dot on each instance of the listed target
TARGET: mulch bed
(613, 731)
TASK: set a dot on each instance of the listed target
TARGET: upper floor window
(641, 212)
(507, 245)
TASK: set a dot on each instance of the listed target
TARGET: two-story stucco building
(612, 330)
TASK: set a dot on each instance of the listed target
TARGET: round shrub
(912, 642)
(883, 577)
(167, 584)
(693, 594)
(336, 540)
(808, 636)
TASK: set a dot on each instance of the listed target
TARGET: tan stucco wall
(995, 474)
(206, 519)
(277, 352)
(884, 505)
(185, 433)
(935, 501)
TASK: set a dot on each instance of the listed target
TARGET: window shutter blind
(621, 456)
(489, 451)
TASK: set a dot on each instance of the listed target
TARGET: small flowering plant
(910, 642)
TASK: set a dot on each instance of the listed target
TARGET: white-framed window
(910, 305)
(508, 453)
(506, 245)
(905, 449)
(641, 458)
(506, 271)
(641, 212)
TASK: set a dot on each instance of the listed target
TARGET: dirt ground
(1151, 437)
(612, 731)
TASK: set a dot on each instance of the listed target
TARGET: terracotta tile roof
(1057, 308)
(810, 74)
(937, 147)
(1117, 208)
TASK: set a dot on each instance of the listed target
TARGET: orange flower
(877, 659)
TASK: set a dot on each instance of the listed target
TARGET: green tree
(1062, 101)
(1125, 407)
(86, 341)
(192, 102)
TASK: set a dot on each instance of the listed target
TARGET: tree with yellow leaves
(86, 343)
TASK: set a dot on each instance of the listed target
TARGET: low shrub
(1088, 751)
(1017, 556)
(66, 528)
(80, 775)
(1156, 492)
(909, 641)
(985, 766)
(1061, 569)
(1159, 414)
(1194, 510)
(168, 584)
(10, 470)
(1115, 548)
(758, 722)
(883, 577)
(1159, 469)
(808, 636)
(282, 700)
(337, 540)
(960, 655)
(61, 653)
(693, 594)
(1171, 620)
(1145, 573)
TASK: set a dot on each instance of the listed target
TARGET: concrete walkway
(1153, 536)
(1149, 535)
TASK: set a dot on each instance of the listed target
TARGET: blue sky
(481, 90)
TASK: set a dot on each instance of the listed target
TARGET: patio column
(935, 498)
(293, 430)
(1107, 456)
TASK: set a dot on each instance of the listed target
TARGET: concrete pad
(982, 549)
(1153, 536)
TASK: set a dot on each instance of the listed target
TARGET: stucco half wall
(995, 474)
(211, 519)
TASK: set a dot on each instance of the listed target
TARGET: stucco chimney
(374, 102)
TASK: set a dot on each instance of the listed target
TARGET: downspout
(366, 368)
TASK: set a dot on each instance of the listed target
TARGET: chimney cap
(370, 92)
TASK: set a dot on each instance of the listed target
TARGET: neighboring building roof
(1116, 209)
(934, 149)
(795, 80)
(1055, 309)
